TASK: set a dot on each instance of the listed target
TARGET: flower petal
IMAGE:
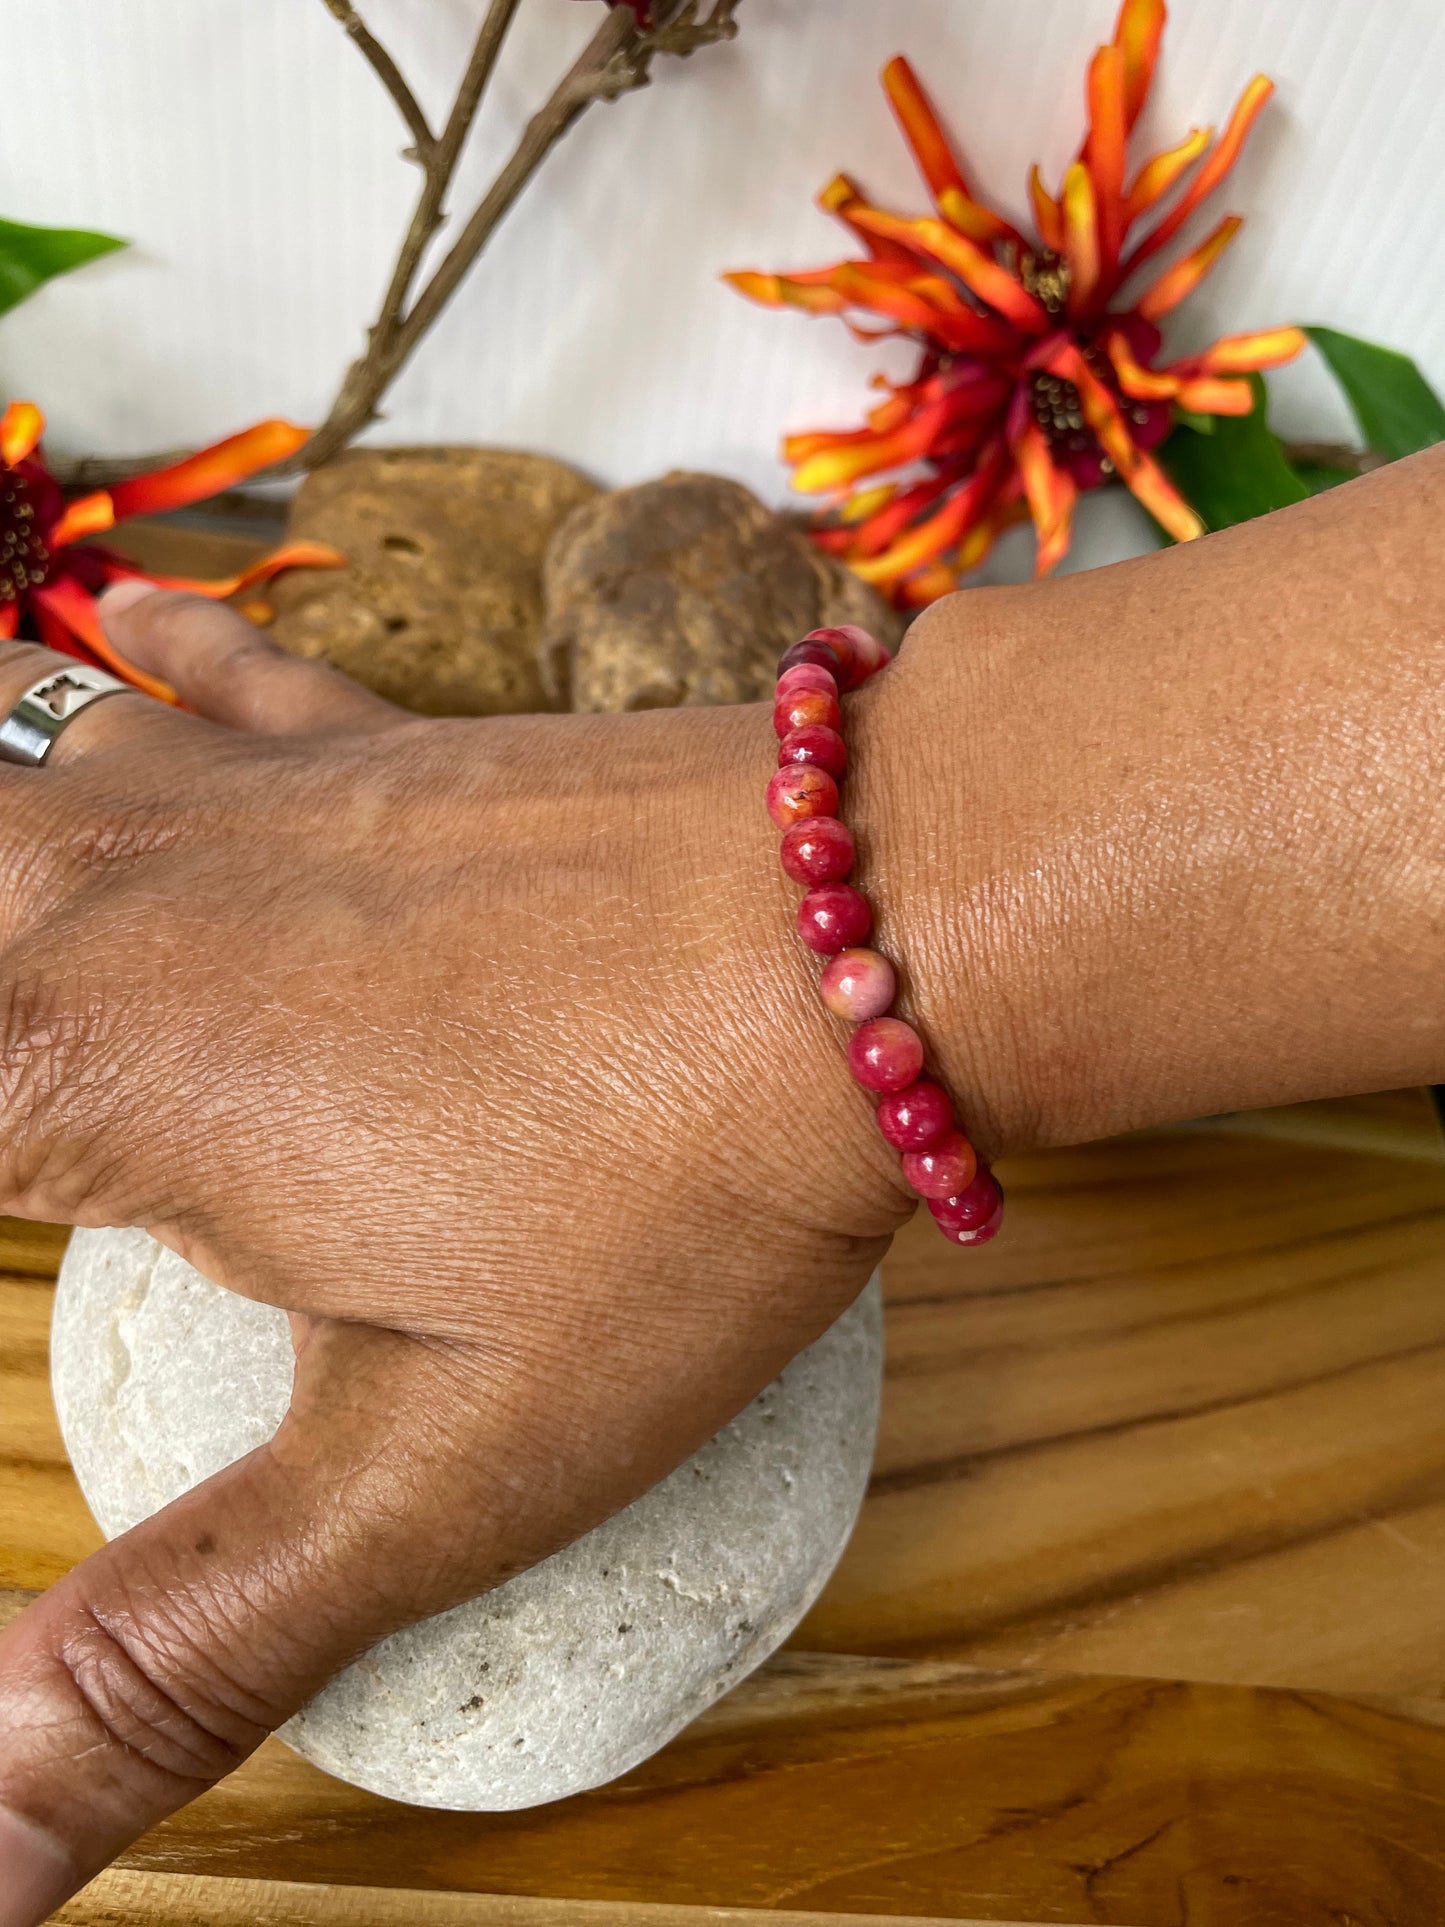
(1143, 384)
(978, 271)
(1185, 276)
(1104, 151)
(1221, 158)
(1210, 395)
(931, 147)
(1246, 354)
(291, 555)
(978, 222)
(216, 468)
(21, 427)
(840, 197)
(73, 609)
(1137, 33)
(1048, 215)
(1081, 236)
(1142, 476)
(1161, 171)
(944, 529)
(87, 515)
(1050, 492)
(9, 619)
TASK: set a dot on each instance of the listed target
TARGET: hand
(481, 1048)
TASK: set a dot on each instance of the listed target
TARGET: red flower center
(24, 558)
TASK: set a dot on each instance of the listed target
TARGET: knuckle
(150, 1694)
(50, 1028)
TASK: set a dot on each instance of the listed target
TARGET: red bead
(805, 675)
(971, 1207)
(944, 1169)
(816, 745)
(916, 1119)
(800, 707)
(975, 1235)
(817, 653)
(800, 790)
(834, 917)
(859, 654)
(817, 849)
(885, 1054)
(858, 984)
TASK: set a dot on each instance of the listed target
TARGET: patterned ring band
(28, 733)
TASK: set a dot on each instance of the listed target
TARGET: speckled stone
(565, 1677)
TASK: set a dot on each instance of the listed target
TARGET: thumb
(160, 1663)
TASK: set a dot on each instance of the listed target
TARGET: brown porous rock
(440, 606)
(686, 590)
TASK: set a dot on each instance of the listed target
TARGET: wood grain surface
(1144, 1621)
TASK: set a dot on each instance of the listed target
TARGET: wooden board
(1143, 1623)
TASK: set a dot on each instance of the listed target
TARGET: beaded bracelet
(885, 1054)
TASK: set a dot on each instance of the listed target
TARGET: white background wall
(253, 160)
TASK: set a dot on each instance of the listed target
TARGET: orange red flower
(1037, 375)
(50, 575)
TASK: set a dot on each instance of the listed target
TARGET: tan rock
(686, 590)
(440, 608)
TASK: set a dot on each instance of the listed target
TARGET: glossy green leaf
(1397, 409)
(1237, 472)
(30, 256)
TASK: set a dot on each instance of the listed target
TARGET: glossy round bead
(834, 917)
(971, 1207)
(858, 984)
(817, 653)
(859, 653)
(916, 1119)
(798, 708)
(814, 744)
(976, 1234)
(805, 675)
(817, 849)
(944, 1169)
(801, 790)
(885, 1054)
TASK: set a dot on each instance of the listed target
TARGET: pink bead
(814, 744)
(800, 707)
(858, 984)
(944, 1170)
(817, 849)
(976, 1235)
(915, 1119)
(834, 917)
(971, 1207)
(805, 675)
(885, 1054)
(801, 790)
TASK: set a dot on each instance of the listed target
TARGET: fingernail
(121, 596)
(35, 1872)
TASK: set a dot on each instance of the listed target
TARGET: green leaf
(29, 256)
(1397, 409)
(1236, 473)
(1318, 476)
(1190, 418)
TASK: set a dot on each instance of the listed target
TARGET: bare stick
(389, 74)
(616, 59)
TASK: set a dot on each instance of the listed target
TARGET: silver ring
(28, 733)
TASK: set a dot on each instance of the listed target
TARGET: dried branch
(389, 74)
(1355, 461)
(617, 59)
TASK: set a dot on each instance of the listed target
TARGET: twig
(1355, 461)
(389, 74)
(617, 59)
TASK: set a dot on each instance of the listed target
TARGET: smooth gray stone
(570, 1674)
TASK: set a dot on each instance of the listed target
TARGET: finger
(159, 1664)
(226, 669)
(127, 716)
